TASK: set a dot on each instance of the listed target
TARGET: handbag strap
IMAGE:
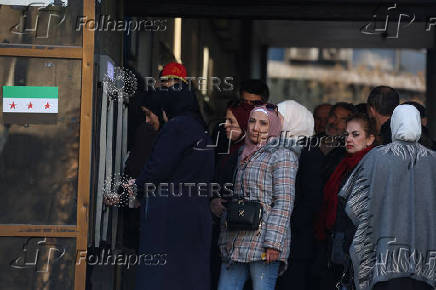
(243, 167)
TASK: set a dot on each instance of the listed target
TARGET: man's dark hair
(362, 108)
(344, 105)
(419, 107)
(255, 86)
(383, 99)
(320, 106)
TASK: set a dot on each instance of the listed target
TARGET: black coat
(176, 231)
(308, 199)
(142, 148)
(386, 133)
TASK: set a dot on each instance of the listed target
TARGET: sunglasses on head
(271, 107)
(257, 103)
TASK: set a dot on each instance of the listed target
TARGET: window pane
(39, 151)
(37, 263)
(54, 25)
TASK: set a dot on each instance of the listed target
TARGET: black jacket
(308, 200)
(386, 133)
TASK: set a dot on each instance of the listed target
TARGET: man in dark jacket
(321, 115)
(425, 139)
(333, 145)
(382, 101)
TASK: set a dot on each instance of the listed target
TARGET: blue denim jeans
(263, 275)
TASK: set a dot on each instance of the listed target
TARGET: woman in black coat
(149, 115)
(175, 221)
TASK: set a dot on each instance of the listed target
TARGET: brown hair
(367, 123)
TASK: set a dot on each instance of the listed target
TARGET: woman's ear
(370, 140)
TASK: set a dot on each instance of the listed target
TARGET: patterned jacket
(267, 176)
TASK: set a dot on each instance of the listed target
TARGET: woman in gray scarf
(391, 199)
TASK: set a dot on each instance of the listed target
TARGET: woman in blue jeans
(266, 172)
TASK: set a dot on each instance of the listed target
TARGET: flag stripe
(43, 3)
(30, 92)
(30, 105)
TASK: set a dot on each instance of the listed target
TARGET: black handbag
(244, 215)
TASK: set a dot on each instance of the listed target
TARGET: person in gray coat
(391, 200)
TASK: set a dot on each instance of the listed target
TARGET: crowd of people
(347, 195)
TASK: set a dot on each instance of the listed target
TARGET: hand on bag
(217, 207)
(129, 186)
(111, 200)
(272, 255)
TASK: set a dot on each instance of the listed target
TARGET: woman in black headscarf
(176, 222)
(149, 115)
(151, 120)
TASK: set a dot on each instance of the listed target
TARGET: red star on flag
(47, 106)
(29, 106)
(12, 105)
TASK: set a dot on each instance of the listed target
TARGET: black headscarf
(178, 99)
(151, 100)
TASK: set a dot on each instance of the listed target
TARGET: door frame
(79, 231)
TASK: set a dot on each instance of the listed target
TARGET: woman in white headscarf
(391, 200)
(296, 119)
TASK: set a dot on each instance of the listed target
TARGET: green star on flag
(29, 99)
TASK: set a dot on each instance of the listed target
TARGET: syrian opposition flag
(27, 99)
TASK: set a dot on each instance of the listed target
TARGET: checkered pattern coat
(267, 176)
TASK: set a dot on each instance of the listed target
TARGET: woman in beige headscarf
(296, 119)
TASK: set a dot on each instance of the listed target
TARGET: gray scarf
(391, 199)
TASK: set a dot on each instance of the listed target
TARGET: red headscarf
(241, 113)
(327, 216)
